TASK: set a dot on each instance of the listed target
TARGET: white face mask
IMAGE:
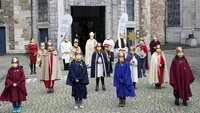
(108, 37)
(66, 39)
(91, 36)
(42, 47)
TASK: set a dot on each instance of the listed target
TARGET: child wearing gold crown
(33, 49)
(122, 80)
(181, 77)
(99, 67)
(78, 79)
(50, 68)
(15, 86)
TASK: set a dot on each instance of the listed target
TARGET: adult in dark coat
(33, 49)
(121, 44)
(15, 86)
(122, 80)
(153, 44)
(181, 77)
(99, 67)
(78, 79)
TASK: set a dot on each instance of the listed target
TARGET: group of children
(127, 70)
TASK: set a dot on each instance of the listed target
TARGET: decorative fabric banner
(63, 28)
(122, 24)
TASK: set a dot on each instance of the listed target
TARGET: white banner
(122, 24)
(63, 28)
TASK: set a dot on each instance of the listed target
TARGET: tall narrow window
(173, 13)
(130, 9)
(0, 4)
(42, 10)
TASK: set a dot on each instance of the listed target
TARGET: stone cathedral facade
(171, 20)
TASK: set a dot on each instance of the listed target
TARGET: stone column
(145, 20)
(158, 18)
(187, 19)
(53, 21)
(197, 21)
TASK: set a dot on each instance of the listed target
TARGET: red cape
(181, 77)
(14, 94)
(33, 49)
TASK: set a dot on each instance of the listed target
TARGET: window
(130, 9)
(42, 10)
(173, 13)
(0, 4)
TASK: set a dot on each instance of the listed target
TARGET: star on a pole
(132, 36)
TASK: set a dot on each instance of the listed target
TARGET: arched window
(42, 10)
(130, 9)
(173, 13)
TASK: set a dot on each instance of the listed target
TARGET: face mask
(91, 37)
(66, 40)
(155, 39)
(78, 57)
(132, 52)
(42, 47)
(141, 42)
(108, 37)
(14, 65)
(98, 48)
(180, 55)
(50, 48)
(32, 41)
(158, 50)
(121, 59)
(106, 48)
(75, 45)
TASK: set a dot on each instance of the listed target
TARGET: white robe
(65, 51)
(154, 68)
(89, 49)
(134, 69)
(111, 43)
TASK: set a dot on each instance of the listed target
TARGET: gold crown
(98, 44)
(158, 47)
(42, 44)
(91, 34)
(15, 60)
(179, 50)
(121, 54)
(75, 40)
(50, 43)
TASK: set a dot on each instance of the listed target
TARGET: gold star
(132, 36)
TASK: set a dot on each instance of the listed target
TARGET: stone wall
(145, 27)
(158, 18)
(22, 24)
(15, 17)
(7, 21)
(190, 24)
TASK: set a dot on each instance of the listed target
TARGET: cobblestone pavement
(147, 100)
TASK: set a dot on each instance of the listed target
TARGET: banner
(63, 28)
(122, 24)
